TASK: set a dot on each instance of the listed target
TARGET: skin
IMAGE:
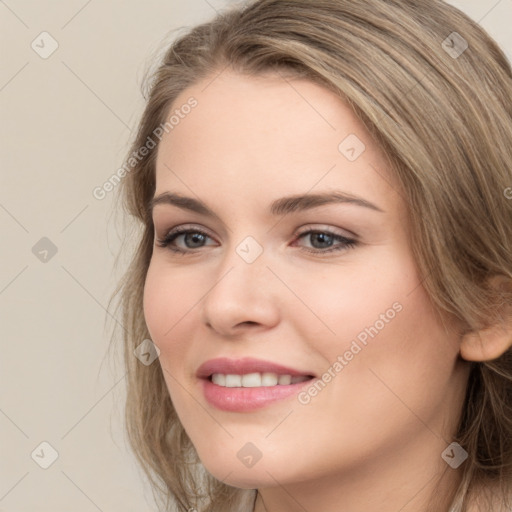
(372, 438)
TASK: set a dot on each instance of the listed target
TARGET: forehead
(266, 135)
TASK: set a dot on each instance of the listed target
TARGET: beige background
(65, 125)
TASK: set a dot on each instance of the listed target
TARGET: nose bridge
(242, 291)
(244, 266)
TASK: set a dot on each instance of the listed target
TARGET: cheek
(383, 325)
(155, 303)
(418, 350)
(168, 303)
(343, 301)
(396, 363)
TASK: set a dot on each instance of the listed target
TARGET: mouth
(252, 391)
(250, 372)
(249, 384)
(256, 379)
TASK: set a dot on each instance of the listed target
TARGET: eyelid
(165, 223)
(346, 233)
(186, 227)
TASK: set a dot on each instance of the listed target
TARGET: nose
(243, 295)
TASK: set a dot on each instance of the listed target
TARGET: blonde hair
(443, 115)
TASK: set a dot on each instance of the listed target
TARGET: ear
(493, 341)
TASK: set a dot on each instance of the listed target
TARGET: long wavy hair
(442, 113)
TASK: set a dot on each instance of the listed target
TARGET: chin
(236, 475)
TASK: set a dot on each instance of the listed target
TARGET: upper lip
(243, 366)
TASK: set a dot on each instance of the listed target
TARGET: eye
(193, 239)
(322, 241)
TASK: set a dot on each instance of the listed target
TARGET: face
(326, 287)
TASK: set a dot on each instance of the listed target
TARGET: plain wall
(66, 121)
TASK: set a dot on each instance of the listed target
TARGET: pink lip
(246, 399)
(243, 366)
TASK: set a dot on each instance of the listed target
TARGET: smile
(255, 380)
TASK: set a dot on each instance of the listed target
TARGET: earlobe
(487, 344)
(493, 341)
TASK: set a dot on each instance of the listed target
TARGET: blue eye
(324, 239)
(195, 239)
(193, 236)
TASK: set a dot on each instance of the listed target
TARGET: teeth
(251, 380)
(233, 381)
(255, 380)
(219, 379)
(269, 379)
(285, 380)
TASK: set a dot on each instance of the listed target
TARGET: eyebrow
(281, 206)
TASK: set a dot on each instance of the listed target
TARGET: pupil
(324, 238)
(197, 237)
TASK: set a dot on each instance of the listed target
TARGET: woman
(324, 267)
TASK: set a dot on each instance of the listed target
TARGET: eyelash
(347, 243)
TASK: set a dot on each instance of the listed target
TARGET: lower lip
(248, 399)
